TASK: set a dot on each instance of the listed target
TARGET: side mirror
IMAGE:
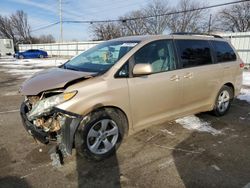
(142, 69)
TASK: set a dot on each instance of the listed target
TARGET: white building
(6, 47)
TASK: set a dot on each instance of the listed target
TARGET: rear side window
(194, 53)
(223, 51)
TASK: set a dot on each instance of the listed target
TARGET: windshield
(101, 57)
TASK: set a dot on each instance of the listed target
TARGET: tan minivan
(127, 84)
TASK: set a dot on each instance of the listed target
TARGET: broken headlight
(45, 105)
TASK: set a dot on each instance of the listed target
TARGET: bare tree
(15, 27)
(154, 19)
(46, 39)
(149, 21)
(105, 31)
(188, 21)
(131, 26)
(156, 24)
(43, 39)
(6, 29)
(235, 18)
(20, 26)
(135, 22)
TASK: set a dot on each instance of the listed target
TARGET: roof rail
(190, 33)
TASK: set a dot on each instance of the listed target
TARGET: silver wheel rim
(102, 136)
(223, 101)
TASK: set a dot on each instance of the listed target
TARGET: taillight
(241, 64)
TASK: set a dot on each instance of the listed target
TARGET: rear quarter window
(223, 52)
(194, 53)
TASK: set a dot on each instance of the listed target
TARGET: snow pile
(244, 95)
(25, 68)
(244, 92)
(246, 79)
(195, 123)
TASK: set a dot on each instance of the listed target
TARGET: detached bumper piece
(65, 137)
(68, 129)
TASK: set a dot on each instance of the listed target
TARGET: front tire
(223, 101)
(101, 136)
(41, 56)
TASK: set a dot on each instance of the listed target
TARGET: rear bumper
(67, 132)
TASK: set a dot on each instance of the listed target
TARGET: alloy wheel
(223, 101)
(102, 136)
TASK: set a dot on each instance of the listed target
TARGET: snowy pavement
(25, 68)
(245, 91)
(246, 79)
(197, 124)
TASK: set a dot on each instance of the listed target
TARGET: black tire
(218, 111)
(20, 57)
(81, 135)
(41, 56)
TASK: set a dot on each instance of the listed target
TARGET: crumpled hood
(54, 78)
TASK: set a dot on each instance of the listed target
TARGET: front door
(155, 98)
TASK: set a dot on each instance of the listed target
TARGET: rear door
(201, 76)
(156, 97)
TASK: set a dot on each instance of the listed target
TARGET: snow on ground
(25, 68)
(244, 95)
(245, 91)
(246, 78)
(195, 123)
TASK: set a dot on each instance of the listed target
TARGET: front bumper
(37, 133)
(67, 132)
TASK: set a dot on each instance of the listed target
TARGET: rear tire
(101, 135)
(223, 101)
(20, 57)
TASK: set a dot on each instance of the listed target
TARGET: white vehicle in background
(6, 47)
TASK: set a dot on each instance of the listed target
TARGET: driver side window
(159, 54)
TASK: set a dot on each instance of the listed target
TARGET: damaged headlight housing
(45, 105)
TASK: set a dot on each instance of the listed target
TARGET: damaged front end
(46, 123)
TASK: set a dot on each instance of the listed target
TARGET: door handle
(175, 78)
(226, 67)
(188, 75)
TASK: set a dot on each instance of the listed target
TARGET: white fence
(60, 49)
(241, 42)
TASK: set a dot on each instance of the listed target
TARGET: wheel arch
(79, 142)
(117, 109)
(72, 130)
(230, 85)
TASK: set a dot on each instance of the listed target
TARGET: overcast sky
(44, 12)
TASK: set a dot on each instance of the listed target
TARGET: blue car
(31, 54)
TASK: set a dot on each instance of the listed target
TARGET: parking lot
(195, 151)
